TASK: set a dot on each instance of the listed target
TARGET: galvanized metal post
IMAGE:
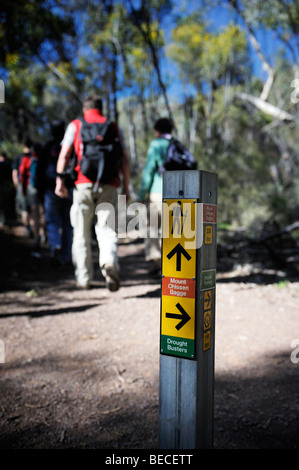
(187, 340)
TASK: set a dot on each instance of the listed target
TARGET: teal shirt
(151, 181)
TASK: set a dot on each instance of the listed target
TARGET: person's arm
(63, 159)
(15, 178)
(148, 172)
(62, 162)
(15, 171)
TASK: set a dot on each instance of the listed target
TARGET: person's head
(57, 129)
(27, 145)
(3, 156)
(163, 126)
(93, 102)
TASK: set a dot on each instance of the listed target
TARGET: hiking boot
(112, 278)
(83, 285)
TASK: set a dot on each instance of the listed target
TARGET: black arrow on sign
(208, 301)
(179, 251)
(183, 316)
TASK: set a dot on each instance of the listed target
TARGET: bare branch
(266, 66)
(267, 108)
(49, 65)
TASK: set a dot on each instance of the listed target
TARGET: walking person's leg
(66, 231)
(106, 232)
(153, 239)
(82, 212)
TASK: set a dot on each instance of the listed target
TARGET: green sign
(208, 279)
(174, 346)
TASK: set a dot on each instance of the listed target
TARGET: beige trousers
(153, 240)
(87, 206)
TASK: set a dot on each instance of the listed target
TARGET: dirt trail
(81, 368)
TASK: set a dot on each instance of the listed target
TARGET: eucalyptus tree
(280, 19)
(213, 63)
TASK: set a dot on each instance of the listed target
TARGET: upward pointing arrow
(179, 251)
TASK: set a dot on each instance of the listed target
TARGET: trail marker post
(187, 331)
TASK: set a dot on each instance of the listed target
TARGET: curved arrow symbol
(183, 316)
(179, 251)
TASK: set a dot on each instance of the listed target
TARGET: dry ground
(81, 368)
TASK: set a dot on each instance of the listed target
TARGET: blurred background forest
(226, 71)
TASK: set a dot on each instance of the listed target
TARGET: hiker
(151, 190)
(97, 181)
(56, 209)
(21, 203)
(28, 202)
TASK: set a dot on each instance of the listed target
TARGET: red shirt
(24, 170)
(91, 116)
(26, 163)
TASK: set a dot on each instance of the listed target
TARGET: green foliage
(54, 53)
(207, 57)
(11, 149)
(26, 26)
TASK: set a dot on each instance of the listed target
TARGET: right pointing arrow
(179, 251)
(183, 316)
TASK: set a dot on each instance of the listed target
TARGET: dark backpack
(101, 151)
(178, 157)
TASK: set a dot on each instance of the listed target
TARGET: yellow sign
(207, 299)
(207, 320)
(179, 238)
(208, 234)
(178, 277)
(178, 317)
(206, 340)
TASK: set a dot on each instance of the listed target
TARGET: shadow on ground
(251, 412)
(255, 408)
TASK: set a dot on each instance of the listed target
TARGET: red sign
(209, 213)
(178, 287)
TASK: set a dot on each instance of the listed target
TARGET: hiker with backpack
(101, 159)
(28, 201)
(165, 153)
(22, 207)
(57, 209)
